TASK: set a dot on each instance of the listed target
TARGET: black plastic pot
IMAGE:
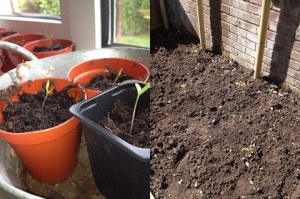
(120, 169)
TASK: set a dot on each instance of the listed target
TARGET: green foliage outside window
(136, 17)
(40, 6)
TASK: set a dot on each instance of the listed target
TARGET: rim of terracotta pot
(68, 47)
(44, 135)
(5, 31)
(25, 37)
(85, 71)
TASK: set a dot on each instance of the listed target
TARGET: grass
(140, 40)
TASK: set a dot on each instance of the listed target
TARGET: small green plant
(193, 50)
(249, 150)
(272, 88)
(240, 84)
(140, 91)
(47, 87)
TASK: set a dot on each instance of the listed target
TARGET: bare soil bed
(215, 131)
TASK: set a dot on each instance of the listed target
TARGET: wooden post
(164, 14)
(201, 24)
(262, 37)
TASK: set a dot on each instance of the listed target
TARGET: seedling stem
(118, 76)
(47, 92)
(140, 91)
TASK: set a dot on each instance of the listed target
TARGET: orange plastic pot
(49, 155)
(67, 47)
(84, 72)
(5, 33)
(11, 58)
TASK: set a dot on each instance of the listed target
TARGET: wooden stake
(164, 14)
(201, 24)
(262, 37)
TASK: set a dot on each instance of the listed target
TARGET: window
(32, 8)
(128, 22)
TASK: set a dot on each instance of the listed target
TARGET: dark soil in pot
(27, 114)
(5, 34)
(106, 80)
(54, 47)
(215, 131)
(119, 121)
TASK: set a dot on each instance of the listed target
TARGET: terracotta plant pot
(5, 33)
(84, 72)
(120, 169)
(49, 155)
(11, 58)
(66, 47)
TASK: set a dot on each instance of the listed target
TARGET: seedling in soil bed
(249, 150)
(240, 84)
(193, 50)
(140, 91)
(47, 93)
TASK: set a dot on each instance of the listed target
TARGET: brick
(294, 64)
(252, 37)
(185, 8)
(247, 43)
(248, 65)
(235, 3)
(228, 41)
(247, 58)
(272, 25)
(225, 25)
(228, 2)
(293, 73)
(194, 12)
(295, 55)
(247, 26)
(296, 46)
(274, 16)
(229, 35)
(251, 52)
(270, 44)
(230, 50)
(225, 8)
(229, 19)
(297, 84)
(268, 53)
(205, 2)
(245, 6)
(271, 35)
(239, 14)
(266, 68)
(254, 9)
(254, 19)
(267, 61)
(257, 2)
(238, 31)
(191, 4)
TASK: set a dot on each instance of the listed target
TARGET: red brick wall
(232, 28)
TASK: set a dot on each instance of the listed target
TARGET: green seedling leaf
(47, 87)
(140, 91)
